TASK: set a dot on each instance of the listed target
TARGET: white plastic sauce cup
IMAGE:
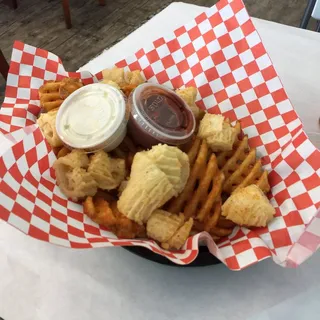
(93, 118)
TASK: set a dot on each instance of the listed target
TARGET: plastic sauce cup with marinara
(159, 115)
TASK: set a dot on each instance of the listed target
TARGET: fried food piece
(248, 206)
(219, 134)
(162, 225)
(47, 124)
(69, 85)
(111, 83)
(107, 172)
(169, 229)
(126, 81)
(52, 93)
(115, 74)
(180, 237)
(214, 224)
(134, 78)
(63, 152)
(174, 163)
(72, 176)
(153, 181)
(126, 228)
(49, 95)
(241, 168)
(189, 95)
(128, 88)
(101, 212)
(203, 187)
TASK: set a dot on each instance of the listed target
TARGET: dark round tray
(204, 258)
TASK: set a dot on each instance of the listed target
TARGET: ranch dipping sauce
(159, 115)
(93, 118)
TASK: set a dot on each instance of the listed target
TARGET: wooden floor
(95, 28)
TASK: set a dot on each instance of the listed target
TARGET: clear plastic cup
(93, 118)
(159, 115)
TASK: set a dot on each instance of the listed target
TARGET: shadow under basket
(204, 258)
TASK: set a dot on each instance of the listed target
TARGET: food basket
(221, 54)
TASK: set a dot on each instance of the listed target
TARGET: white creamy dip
(92, 117)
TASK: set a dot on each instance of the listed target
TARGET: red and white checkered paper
(220, 53)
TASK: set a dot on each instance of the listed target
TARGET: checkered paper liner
(220, 53)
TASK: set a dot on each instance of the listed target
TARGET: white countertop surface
(45, 282)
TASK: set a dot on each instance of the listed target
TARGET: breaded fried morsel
(219, 134)
(126, 81)
(72, 176)
(169, 229)
(248, 206)
(156, 176)
(106, 171)
(116, 75)
(47, 124)
(189, 95)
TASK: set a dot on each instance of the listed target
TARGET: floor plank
(95, 28)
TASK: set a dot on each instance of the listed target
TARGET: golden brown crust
(52, 93)
(248, 206)
(100, 211)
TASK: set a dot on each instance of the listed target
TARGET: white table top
(45, 282)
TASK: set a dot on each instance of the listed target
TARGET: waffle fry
(216, 225)
(203, 187)
(241, 168)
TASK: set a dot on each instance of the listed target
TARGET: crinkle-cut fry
(200, 195)
(211, 198)
(176, 204)
(214, 219)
